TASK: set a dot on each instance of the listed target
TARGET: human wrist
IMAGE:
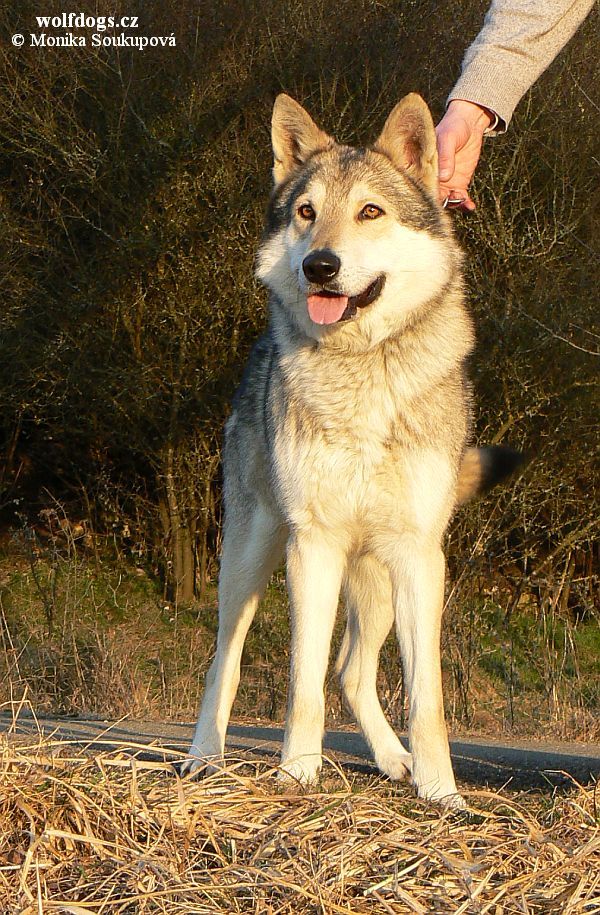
(477, 117)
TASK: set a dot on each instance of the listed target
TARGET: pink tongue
(326, 309)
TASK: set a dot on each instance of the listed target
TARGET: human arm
(518, 41)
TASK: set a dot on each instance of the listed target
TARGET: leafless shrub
(132, 188)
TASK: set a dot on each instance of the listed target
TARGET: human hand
(459, 138)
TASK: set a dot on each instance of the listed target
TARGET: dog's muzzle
(364, 298)
(328, 306)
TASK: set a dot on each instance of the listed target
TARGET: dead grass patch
(106, 833)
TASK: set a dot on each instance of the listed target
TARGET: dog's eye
(306, 212)
(370, 211)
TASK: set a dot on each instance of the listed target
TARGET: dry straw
(105, 833)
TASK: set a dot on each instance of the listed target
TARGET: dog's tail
(482, 468)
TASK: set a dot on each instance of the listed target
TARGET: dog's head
(356, 240)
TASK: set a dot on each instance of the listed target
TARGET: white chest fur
(346, 456)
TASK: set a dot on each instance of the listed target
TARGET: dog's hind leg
(315, 566)
(368, 595)
(253, 543)
(417, 575)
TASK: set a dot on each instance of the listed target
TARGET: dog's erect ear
(408, 139)
(295, 137)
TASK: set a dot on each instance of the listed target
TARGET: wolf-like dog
(347, 444)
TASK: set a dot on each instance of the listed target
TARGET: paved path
(476, 761)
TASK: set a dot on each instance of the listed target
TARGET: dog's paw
(445, 796)
(452, 802)
(200, 764)
(447, 800)
(303, 769)
(436, 783)
(396, 764)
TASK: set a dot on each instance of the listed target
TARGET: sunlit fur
(416, 263)
(344, 445)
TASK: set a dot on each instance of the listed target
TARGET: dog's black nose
(321, 266)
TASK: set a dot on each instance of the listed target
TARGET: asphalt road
(520, 764)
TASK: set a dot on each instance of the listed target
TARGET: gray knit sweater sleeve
(519, 39)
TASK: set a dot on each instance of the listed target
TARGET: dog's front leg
(314, 575)
(252, 546)
(418, 586)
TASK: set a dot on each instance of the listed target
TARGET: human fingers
(447, 143)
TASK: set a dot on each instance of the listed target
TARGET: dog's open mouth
(328, 307)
